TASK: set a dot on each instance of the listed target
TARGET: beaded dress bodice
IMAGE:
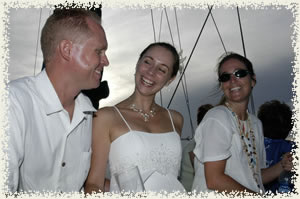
(155, 154)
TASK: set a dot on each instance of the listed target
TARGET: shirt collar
(51, 100)
(85, 104)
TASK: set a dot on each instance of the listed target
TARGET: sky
(267, 33)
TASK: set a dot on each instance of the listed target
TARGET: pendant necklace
(146, 116)
(250, 148)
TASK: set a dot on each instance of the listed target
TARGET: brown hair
(67, 24)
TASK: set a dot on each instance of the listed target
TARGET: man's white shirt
(47, 151)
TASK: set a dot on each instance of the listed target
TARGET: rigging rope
(242, 37)
(153, 26)
(169, 26)
(218, 32)
(184, 83)
(161, 15)
(37, 42)
(178, 30)
(190, 57)
(244, 49)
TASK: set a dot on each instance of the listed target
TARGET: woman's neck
(240, 109)
(145, 103)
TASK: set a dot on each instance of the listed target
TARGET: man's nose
(104, 60)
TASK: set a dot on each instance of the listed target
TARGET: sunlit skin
(90, 58)
(75, 65)
(153, 71)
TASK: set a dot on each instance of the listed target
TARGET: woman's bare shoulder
(176, 115)
(107, 112)
(178, 120)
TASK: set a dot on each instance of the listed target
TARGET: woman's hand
(273, 172)
(287, 162)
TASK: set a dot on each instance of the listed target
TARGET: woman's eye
(147, 61)
(162, 70)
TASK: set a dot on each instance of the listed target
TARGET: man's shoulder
(21, 84)
(22, 91)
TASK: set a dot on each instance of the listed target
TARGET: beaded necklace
(250, 148)
(146, 116)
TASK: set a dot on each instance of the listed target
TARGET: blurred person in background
(276, 118)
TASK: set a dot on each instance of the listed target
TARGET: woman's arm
(100, 150)
(216, 179)
(273, 172)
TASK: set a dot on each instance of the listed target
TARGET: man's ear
(65, 47)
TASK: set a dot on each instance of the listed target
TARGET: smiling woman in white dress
(230, 152)
(139, 132)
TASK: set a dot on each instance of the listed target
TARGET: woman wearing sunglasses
(230, 154)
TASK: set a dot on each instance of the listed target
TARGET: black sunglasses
(238, 73)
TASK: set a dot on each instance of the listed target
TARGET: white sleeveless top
(157, 155)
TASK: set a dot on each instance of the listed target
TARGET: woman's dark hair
(232, 55)
(276, 119)
(169, 47)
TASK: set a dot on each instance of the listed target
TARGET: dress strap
(123, 118)
(171, 120)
